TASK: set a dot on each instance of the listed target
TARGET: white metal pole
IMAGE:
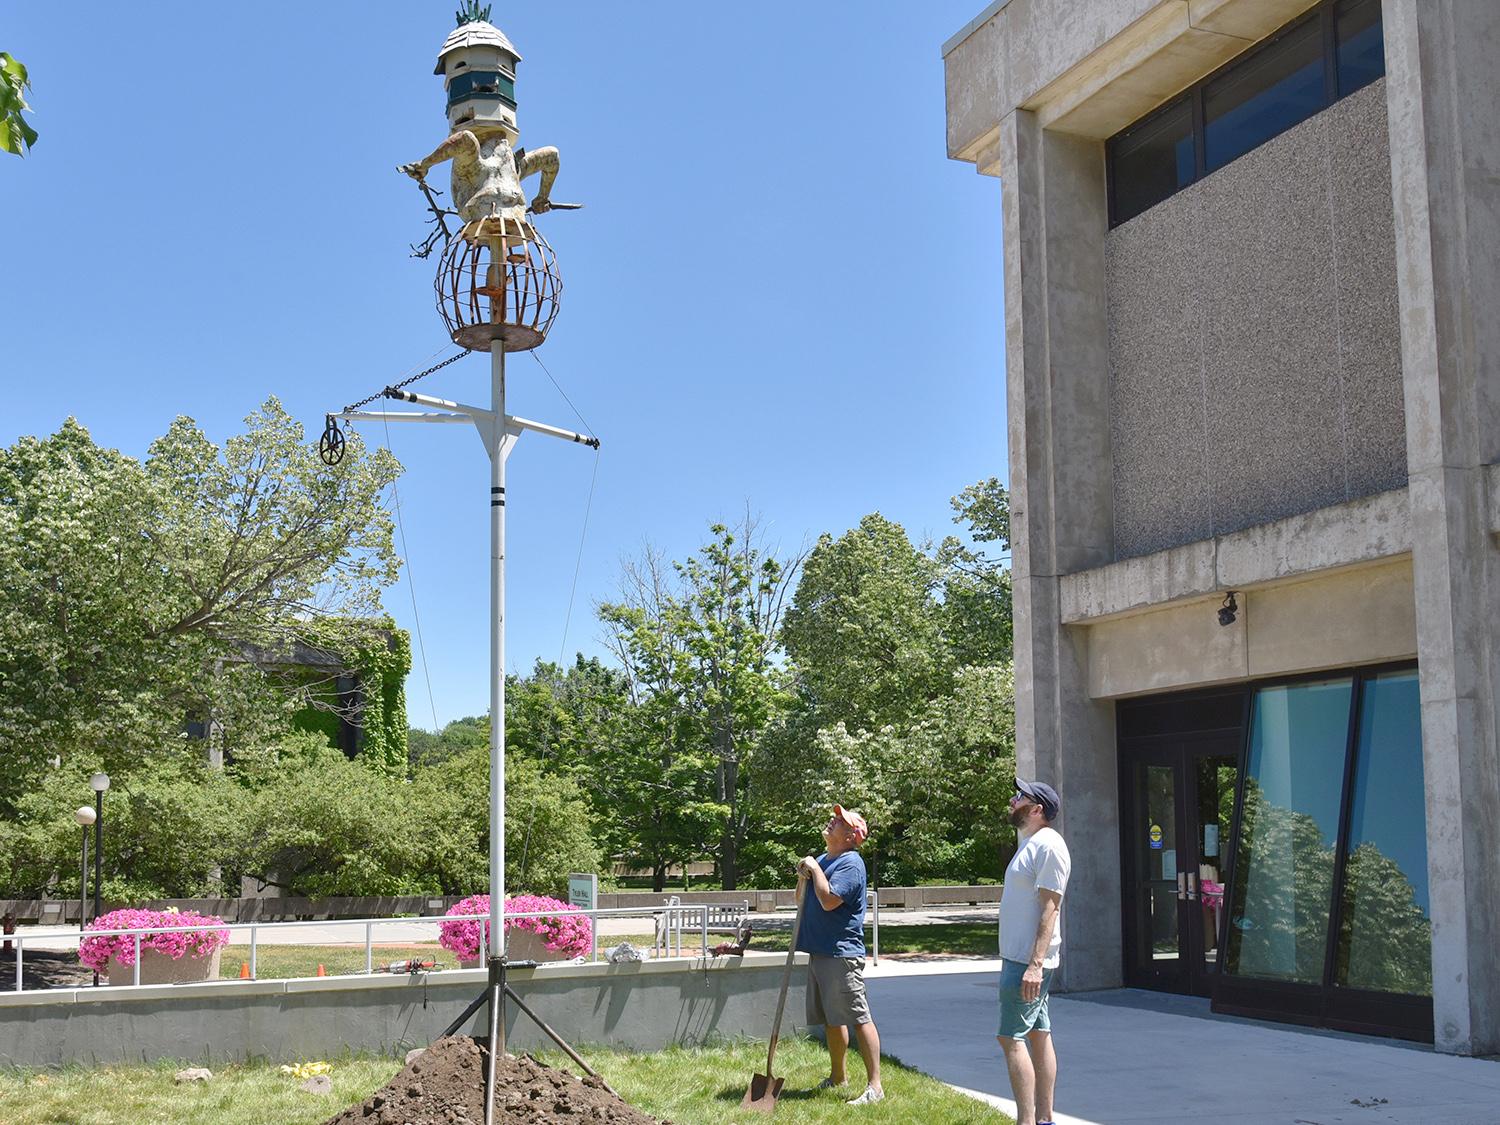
(497, 649)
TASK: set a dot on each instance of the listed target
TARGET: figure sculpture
(487, 175)
(478, 64)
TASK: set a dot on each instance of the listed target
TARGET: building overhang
(1371, 530)
(1089, 67)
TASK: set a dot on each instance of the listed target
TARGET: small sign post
(583, 892)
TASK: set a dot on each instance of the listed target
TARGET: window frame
(1325, 12)
(1325, 1003)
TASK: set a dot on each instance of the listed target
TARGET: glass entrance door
(1178, 805)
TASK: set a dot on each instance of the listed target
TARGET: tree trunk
(729, 847)
(658, 877)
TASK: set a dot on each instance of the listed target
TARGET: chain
(331, 445)
(407, 382)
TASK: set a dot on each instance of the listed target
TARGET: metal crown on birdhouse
(497, 277)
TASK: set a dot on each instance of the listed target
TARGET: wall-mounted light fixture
(1228, 610)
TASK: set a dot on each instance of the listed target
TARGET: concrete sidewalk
(1139, 1056)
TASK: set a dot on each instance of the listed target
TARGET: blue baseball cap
(1043, 794)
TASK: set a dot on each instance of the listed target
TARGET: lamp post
(99, 783)
(84, 816)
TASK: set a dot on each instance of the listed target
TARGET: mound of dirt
(445, 1086)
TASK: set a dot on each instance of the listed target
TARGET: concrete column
(1444, 97)
(1057, 392)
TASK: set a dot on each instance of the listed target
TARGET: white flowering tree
(133, 586)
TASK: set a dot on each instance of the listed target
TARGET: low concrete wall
(642, 1006)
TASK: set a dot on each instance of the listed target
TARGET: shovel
(766, 1088)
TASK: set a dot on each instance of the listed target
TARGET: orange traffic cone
(244, 970)
(322, 972)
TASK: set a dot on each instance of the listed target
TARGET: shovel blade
(763, 1092)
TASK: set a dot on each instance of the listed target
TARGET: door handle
(1182, 891)
(1192, 885)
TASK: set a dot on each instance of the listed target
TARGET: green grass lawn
(691, 1086)
(146, 1095)
(703, 1086)
(282, 962)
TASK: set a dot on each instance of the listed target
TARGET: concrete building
(1252, 323)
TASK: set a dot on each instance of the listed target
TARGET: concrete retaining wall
(642, 1006)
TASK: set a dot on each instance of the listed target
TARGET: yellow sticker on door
(1156, 836)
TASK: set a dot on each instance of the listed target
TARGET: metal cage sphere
(498, 280)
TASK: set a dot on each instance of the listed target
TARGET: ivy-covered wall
(382, 670)
(381, 666)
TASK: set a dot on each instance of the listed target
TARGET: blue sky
(781, 292)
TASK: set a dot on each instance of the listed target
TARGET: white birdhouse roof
(478, 34)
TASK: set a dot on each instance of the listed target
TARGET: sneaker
(829, 1084)
(869, 1097)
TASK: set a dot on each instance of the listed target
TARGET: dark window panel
(1289, 822)
(1153, 160)
(1385, 933)
(1272, 90)
(1361, 44)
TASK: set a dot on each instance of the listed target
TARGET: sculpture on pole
(497, 288)
(497, 241)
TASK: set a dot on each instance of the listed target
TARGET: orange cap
(854, 821)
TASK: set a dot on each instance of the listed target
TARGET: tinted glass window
(1361, 44)
(1153, 160)
(1264, 95)
(1289, 822)
(1385, 940)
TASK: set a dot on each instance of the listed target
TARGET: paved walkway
(1129, 1056)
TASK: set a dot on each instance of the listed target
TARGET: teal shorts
(1018, 1018)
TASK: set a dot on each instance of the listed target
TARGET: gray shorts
(836, 991)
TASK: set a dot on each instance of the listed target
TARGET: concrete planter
(523, 946)
(158, 968)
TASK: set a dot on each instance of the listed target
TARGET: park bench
(673, 921)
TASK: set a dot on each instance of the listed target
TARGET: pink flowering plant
(565, 930)
(208, 934)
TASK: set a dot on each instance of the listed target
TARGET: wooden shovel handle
(786, 974)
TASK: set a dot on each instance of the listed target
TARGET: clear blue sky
(781, 291)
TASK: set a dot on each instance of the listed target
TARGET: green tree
(978, 620)
(16, 134)
(935, 790)
(547, 825)
(865, 630)
(140, 592)
(698, 644)
(425, 748)
(335, 827)
(168, 828)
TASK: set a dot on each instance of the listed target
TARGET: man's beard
(1019, 817)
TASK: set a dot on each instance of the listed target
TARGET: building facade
(1252, 325)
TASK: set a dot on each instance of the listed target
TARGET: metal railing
(671, 920)
(674, 917)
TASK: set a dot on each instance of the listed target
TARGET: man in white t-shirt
(1030, 939)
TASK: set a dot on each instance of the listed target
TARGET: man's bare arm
(461, 147)
(1031, 979)
(546, 161)
(819, 883)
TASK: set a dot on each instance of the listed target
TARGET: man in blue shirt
(833, 936)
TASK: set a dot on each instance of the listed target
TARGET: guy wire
(411, 587)
(562, 651)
